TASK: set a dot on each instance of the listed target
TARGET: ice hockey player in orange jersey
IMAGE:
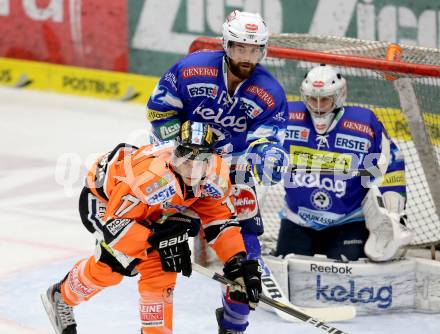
(132, 203)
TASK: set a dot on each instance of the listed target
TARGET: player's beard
(241, 70)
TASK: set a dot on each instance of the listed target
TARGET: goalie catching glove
(383, 219)
(267, 159)
(172, 245)
(247, 273)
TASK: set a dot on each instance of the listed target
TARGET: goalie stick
(271, 302)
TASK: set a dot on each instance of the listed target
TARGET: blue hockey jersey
(195, 88)
(320, 201)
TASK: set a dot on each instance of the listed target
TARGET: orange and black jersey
(140, 187)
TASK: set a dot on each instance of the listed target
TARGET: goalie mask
(245, 38)
(193, 152)
(323, 91)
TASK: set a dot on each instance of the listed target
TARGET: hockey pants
(88, 277)
(91, 275)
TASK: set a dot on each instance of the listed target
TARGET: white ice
(47, 140)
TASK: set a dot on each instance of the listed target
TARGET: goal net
(404, 93)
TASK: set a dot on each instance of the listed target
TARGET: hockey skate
(60, 314)
(221, 330)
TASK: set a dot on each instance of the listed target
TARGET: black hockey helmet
(195, 141)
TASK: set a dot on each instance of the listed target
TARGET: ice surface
(42, 237)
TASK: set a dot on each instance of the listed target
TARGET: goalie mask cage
(403, 93)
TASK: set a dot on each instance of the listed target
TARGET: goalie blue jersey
(354, 140)
(195, 88)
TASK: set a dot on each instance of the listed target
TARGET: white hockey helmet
(323, 84)
(324, 81)
(244, 27)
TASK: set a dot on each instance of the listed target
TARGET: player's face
(320, 106)
(191, 171)
(244, 58)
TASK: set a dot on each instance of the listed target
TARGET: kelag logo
(383, 297)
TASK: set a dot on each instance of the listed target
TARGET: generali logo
(199, 71)
(297, 116)
(250, 27)
(264, 95)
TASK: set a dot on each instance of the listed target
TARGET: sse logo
(211, 191)
(161, 195)
(250, 107)
(352, 143)
(297, 133)
(206, 89)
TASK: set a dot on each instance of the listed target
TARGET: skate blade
(50, 313)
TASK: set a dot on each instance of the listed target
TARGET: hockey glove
(173, 248)
(247, 273)
(267, 159)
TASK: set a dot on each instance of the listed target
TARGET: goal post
(408, 106)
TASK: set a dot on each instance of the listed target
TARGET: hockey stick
(333, 313)
(374, 171)
(271, 302)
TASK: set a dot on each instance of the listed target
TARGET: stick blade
(325, 314)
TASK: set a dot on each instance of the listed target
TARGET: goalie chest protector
(326, 200)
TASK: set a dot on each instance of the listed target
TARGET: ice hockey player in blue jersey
(342, 217)
(246, 108)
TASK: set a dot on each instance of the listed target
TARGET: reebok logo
(331, 269)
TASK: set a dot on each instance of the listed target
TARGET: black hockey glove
(173, 248)
(247, 273)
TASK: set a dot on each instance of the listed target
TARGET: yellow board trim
(101, 84)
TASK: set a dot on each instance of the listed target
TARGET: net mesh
(368, 88)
